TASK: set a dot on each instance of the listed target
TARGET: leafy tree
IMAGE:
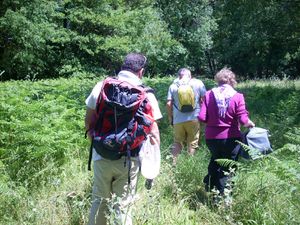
(258, 38)
(25, 32)
(191, 23)
(123, 28)
(61, 38)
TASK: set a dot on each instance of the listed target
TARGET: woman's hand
(250, 124)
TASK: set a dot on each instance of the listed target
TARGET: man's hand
(169, 108)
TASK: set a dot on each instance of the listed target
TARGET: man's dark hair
(134, 62)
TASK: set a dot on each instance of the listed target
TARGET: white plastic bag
(256, 138)
(150, 159)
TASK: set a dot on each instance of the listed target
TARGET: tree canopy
(45, 39)
(259, 38)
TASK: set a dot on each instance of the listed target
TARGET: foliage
(250, 152)
(43, 160)
(41, 124)
(24, 35)
(63, 38)
(269, 188)
(274, 107)
(191, 23)
(48, 39)
(258, 38)
(227, 163)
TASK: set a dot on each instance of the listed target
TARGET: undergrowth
(43, 160)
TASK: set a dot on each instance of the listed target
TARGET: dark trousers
(220, 149)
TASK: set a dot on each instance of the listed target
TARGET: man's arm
(202, 117)
(169, 108)
(155, 137)
(90, 121)
(201, 99)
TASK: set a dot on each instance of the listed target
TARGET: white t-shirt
(131, 78)
(199, 90)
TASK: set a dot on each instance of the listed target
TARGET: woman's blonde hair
(225, 76)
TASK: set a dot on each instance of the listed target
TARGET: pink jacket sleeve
(241, 110)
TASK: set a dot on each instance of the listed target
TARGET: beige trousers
(112, 196)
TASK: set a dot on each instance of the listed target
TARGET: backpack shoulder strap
(184, 83)
(107, 79)
(147, 89)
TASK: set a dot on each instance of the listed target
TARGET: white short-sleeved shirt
(131, 78)
(199, 90)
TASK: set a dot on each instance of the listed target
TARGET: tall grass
(43, 153)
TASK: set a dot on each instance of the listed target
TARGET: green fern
(227, 162)
(293, 136)
(253, 153)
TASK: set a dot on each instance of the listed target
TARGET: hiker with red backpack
(183, 106)
(121, 114)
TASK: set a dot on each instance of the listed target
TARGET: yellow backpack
(186, 97)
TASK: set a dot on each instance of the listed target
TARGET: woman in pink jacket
(223, 110)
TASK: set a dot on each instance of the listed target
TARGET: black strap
(90, 156)
(129, 163)
(91, 151)
(179, 109)
(147, 89)
(176, 106)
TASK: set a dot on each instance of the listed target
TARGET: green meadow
(43, 160)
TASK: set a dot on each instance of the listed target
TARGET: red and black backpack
(124, 118)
